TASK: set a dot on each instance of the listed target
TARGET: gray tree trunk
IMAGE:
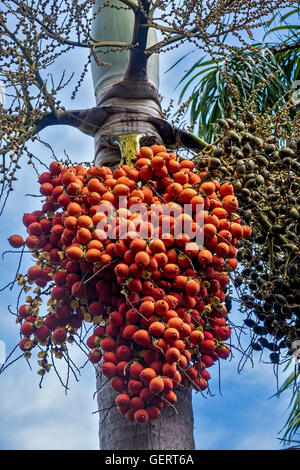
(169, 432)
(172, 431)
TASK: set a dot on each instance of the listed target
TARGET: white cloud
(46, 418)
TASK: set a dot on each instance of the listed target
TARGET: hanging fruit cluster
(154, 297)
(266, 179)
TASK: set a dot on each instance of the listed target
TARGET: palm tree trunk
(174, 429)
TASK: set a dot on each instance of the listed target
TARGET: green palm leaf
(291, 427)
(209, 95)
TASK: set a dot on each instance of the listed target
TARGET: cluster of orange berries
(155, 296)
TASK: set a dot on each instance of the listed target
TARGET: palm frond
(291, 384)
(283, 24)
(210, 92)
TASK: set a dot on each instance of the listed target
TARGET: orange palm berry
(181, 177)
(187, 164)
(94, 185)
(85, 221)
(158, 148)
(173, 166)
(142, 258)
(224, 224)
(222, 249)
(146, 152)
(171, 334)
(121, 190)
(210, 230)
(96, 244)
(208, 188)
(226, 189)
(236, 230)
(74, 252)
(174, 189)
(176, 323)
(70, 222)
(232, 262)
(186, 195)
(156, 385)
(93, 255)
(74, 209)
(247, 231)
(204, 257)
(142, 338)
(122, 270)
(169, 369)
(171, 270)
(157, 163)
(157, 329)
(84, 235)
(230, 203)
(161, 307)
(146, 375)
(224, 235)
(157, 246)
(172, 355)
(211, 219)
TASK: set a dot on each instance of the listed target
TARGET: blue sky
(31, 418)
